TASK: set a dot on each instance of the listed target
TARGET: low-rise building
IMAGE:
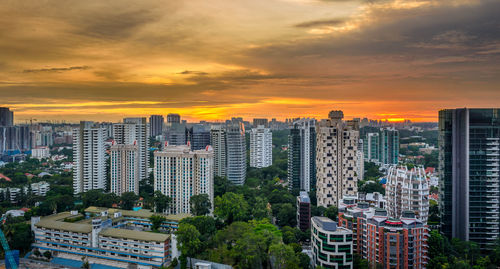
(40, 153)
(331, 245)
(120, 238)
(303, 211)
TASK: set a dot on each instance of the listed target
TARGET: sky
(211, 60)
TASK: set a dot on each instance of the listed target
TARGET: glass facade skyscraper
(469, 174)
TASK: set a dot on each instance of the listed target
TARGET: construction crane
(6, 248)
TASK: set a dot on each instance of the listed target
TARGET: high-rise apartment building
(261, 147)
(303, 211)
(336, 159)
(6, 117)
(236, 152)
(135, 131)
(371, 147)
(181, 173)
(263, 122)
(382, 147)
(156, 125)
(173, 118)
(218, 142)
(302, 155)
(176, 134)
(89, 169)
(407, 190)
(124, 168)
(331, 245)
(469, 161)
(15, 138)
(199, 136)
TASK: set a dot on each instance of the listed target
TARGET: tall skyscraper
(261, 147)
(199, 136)
(236, 152)
(124, 168)
(173, 118)
(302, 155)
(135, 131)
(336, 159)
(176, 134)
(218, 142)
(389, 146)
(181, 173)
(469, 174)
(156, 125)
(371, 147)
(6, 117)
(407, 190)
(89, 170)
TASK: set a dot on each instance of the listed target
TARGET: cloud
(57, 69)
(327, 22)
(192, 72)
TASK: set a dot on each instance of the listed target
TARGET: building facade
(6, 117)
(199, 136)
(156, 125)
(407, 190)
(302, 155)
(89, 164)
(135, 131)
(173, 118)
(469, 160)
(236, 152)
(261, 147)
(124, 169)
(331, 245)
(218, 142)
(303, 211)
(336, 159)
(180, 173)
(389, 146)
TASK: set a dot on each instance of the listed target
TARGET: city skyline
(389, 59)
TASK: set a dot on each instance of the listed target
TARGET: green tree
(231, 207)
(200, 204)
(332, 213)
(128, 200)
(260, 209)
(305, 261)
(283, 256)
(156, 221)
(161, 201)
(287, 215)
(188, 240)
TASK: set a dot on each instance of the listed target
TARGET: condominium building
(6, 117)
(469, 161)
(218, 142)
(89, 164)
(40, 188)
(40, 153)
(336, 159)
(302, 155)
(180, 173)
(106, 237)
(371, 147)
(303, 211)
(176, 134)
(173, 118)
(261, 147)
(407, 190)
(135, 131)
(124, 168)
(391, 242)
(331, 245)
(156, 125)
(382, 147)
(236, 152)
(15, 138)
(361, 160)
(263, 122)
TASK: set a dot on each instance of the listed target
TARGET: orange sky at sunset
(212, 60)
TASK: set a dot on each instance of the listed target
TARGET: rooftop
(136, 235)
(304, 197)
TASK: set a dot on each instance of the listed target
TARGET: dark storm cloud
(192, 72)
(56, 69)
(328, 22)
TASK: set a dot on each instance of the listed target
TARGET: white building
(40, 188)
(89, 158)
(218, 142)
(407, 190)
(40, 153)
(261, 147)
(180, 173)
(336, 159)
(135, 131)
(332, 246)
(124, 169)
(228, 142)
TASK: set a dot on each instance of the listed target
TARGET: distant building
(89, 171)
(124, 168)
(331, 245)
(199, 136)
(40, 188)
(135, 131)
(180, 173)
(302, 155)
(303, 211)
(6, 117)
(156, 125)
(176, 134)
(218, 142)
(173, 118)
(40, 153)
(257, 122)
(469, 178)
(407, 190)
(15, 138)
(336, 159)
(382, 147)
(229, 146)
(371, 147)
(261, 147)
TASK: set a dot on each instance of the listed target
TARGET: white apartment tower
(124, 168)
(407, 189)
(261, 147)
(180, 173)
(89, 158)
(336, 159)
(218, 142)
(135, 131)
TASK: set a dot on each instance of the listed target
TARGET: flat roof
(141, 213)
(56, 222)
(304, 197)
(136, 235)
